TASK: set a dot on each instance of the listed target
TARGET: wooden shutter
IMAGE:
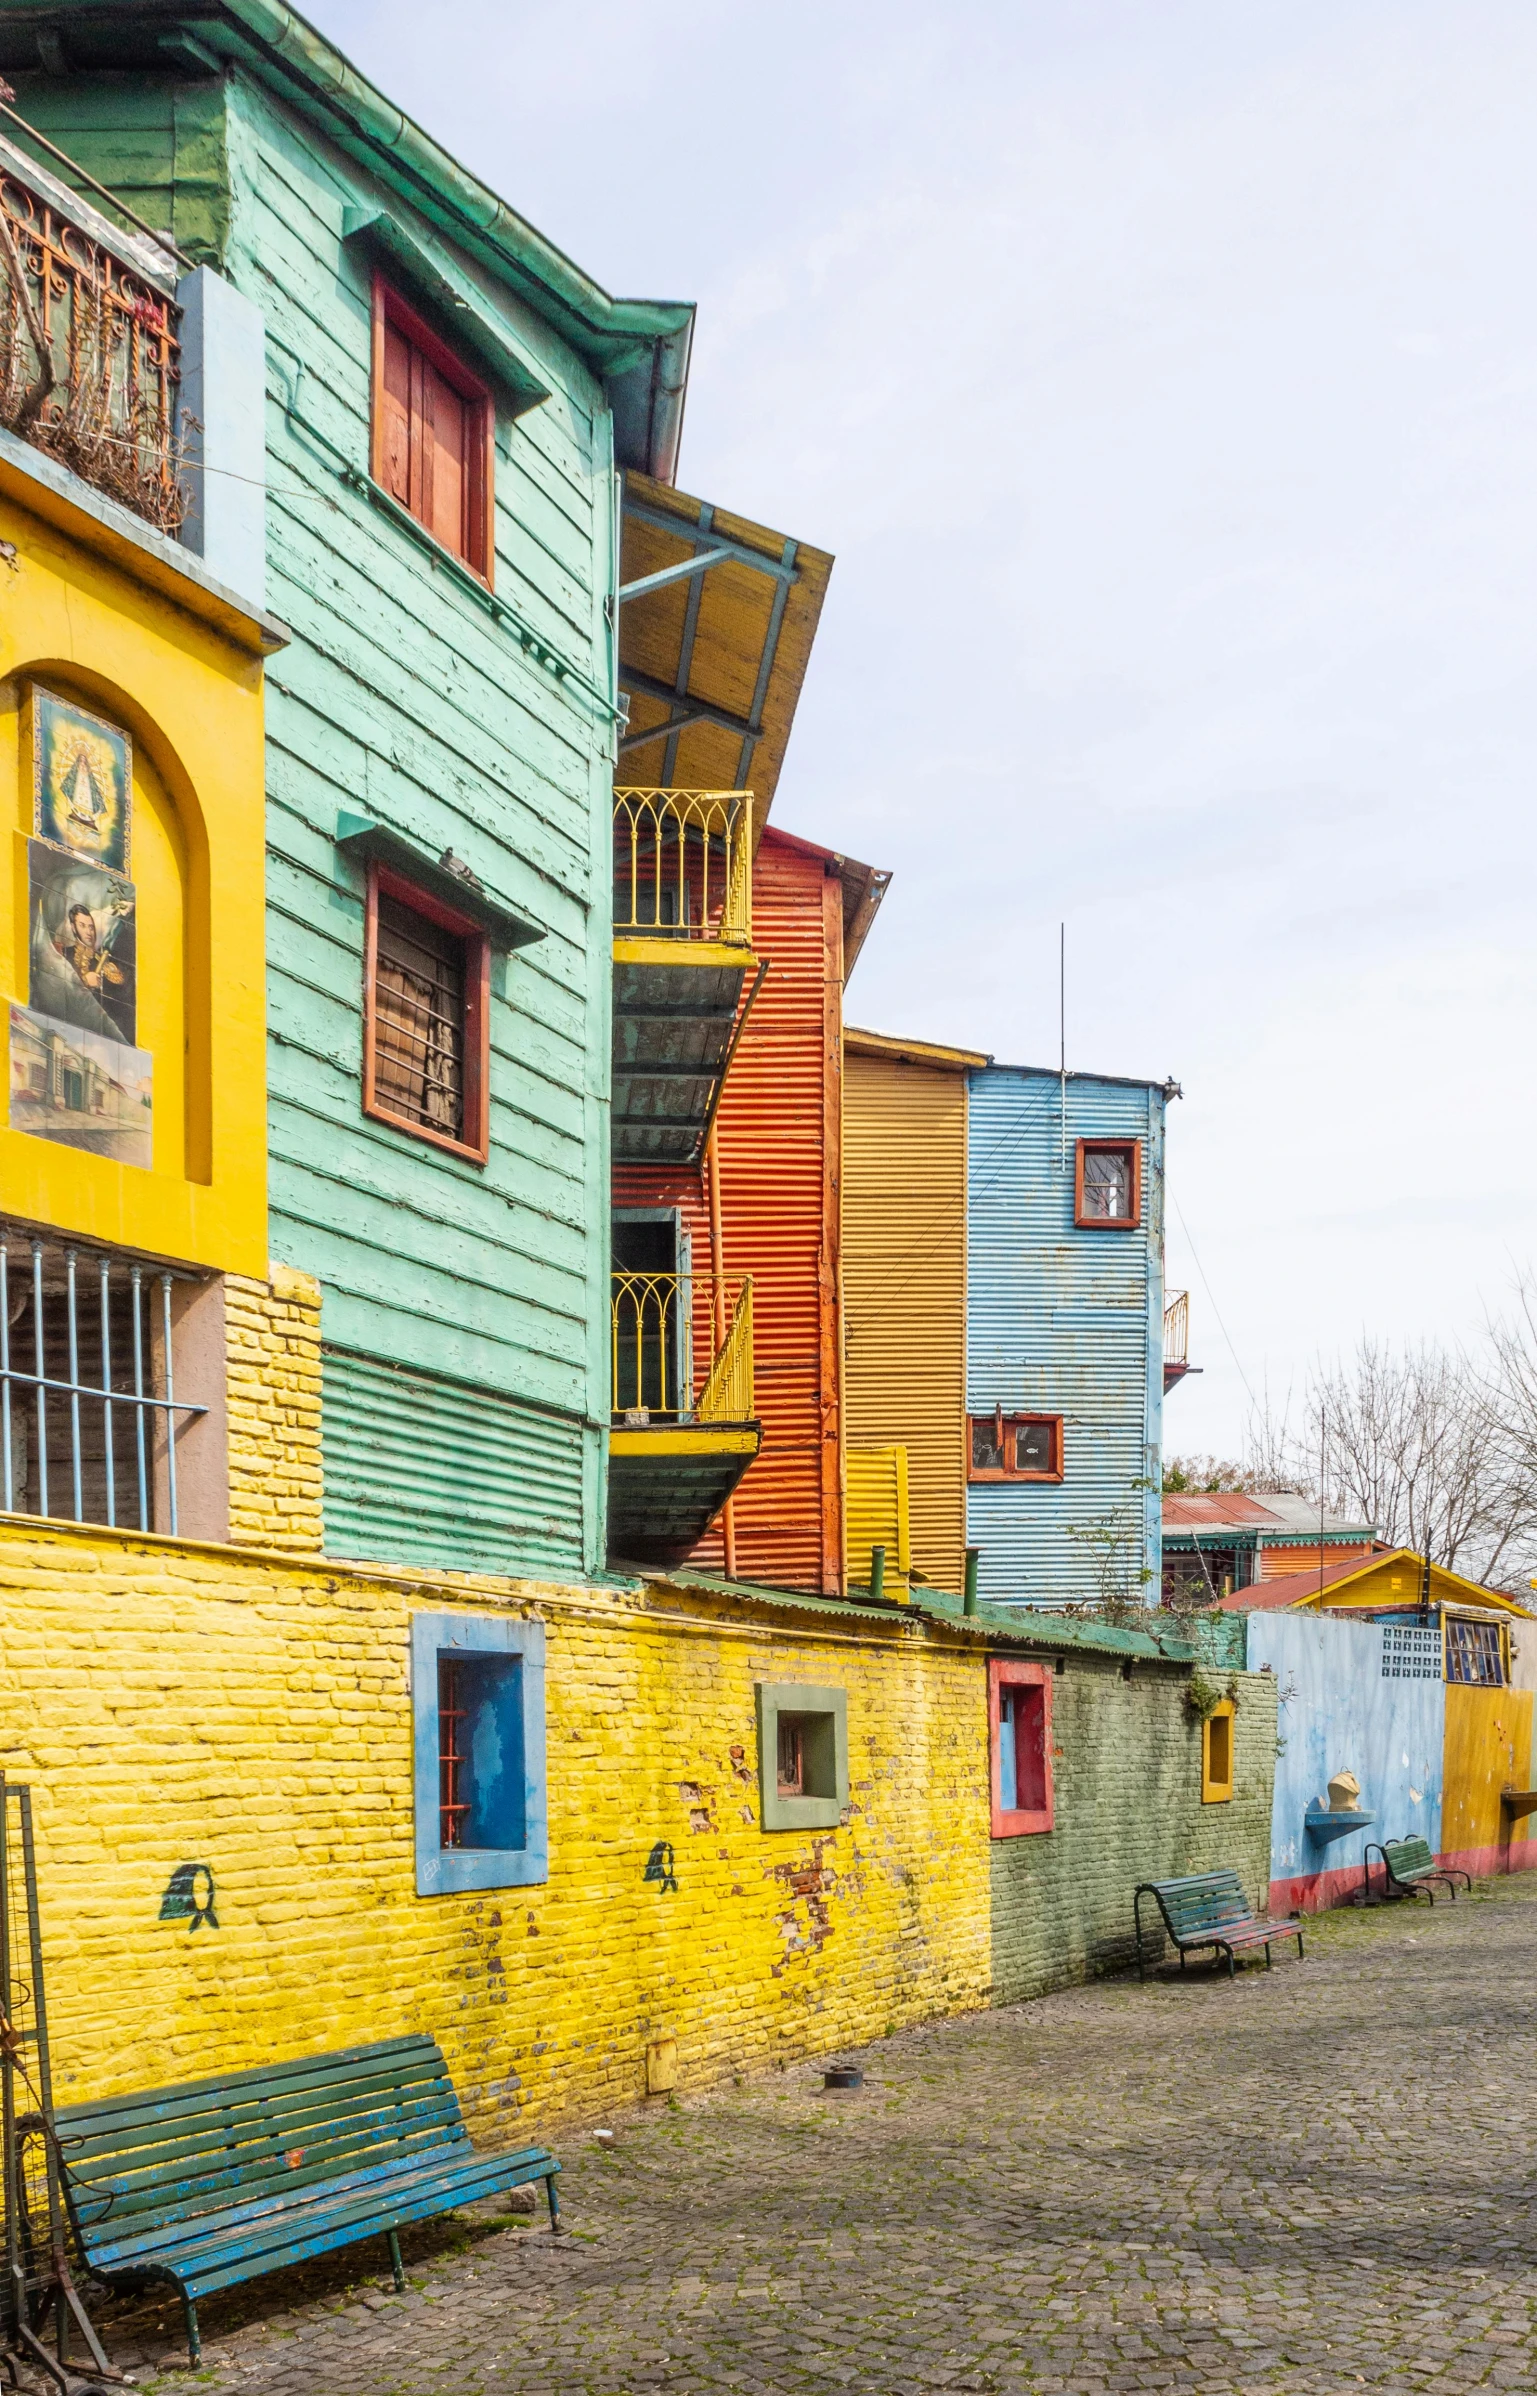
(432, 433)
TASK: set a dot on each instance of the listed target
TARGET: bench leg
(1299, 1946)
(395, 2263)
(1267, 1954)
(194, 2339)
(554, 2202)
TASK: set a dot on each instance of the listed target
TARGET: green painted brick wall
(1127, 1769)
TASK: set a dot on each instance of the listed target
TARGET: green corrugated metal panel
(420, 1470)
(157, 141)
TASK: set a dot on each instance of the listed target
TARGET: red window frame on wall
(475, 1142)
(409, 481)
(1032, 1684)
(1009, 1425)
(1087, 1222)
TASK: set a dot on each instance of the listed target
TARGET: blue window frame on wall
(477, 1694)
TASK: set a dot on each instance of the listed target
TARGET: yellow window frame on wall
(1217, 1754)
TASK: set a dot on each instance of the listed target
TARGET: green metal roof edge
(1054, 1632)
(289, 42)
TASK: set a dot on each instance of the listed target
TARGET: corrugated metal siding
(423, 1470)
(1069, 1322)
(876, 1515)
(904, 1288)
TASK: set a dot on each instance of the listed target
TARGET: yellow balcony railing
(683, 864)
(665, 1364)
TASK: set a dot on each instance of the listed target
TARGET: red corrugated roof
(1201, 1506)
(1261, 1596)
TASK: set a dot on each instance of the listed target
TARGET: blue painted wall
(1338, 1714)
(1069, 1322)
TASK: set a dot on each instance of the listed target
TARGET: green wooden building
(449, 403)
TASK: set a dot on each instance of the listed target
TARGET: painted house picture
(79, 1089)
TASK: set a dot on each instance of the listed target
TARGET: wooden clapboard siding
(904, 1288)
(481, 1292)
(403, 697)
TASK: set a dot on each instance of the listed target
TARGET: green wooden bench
(1409, 1867)
(1209, 1909)
(222, 2180)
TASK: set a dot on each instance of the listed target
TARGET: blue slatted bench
(1209, 1909)
(222, 2180)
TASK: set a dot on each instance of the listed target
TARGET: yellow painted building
(904, 1287)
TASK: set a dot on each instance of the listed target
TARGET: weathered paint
(1488, 1748)
(99, 610)
(876, 1515)
(1338, 1713)
(777, 1135)
(1127, 1787)
(1065, 1321)
(409, 698)
(904, 1279)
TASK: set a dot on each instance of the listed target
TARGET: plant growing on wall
(1204, 1695)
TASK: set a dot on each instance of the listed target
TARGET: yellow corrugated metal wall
(875, 1515)
(904, 1289)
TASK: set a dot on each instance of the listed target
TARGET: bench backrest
(1202, 1901)
(172, 2154)
(1408, 1855)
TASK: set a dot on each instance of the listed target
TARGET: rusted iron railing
(1176, 1329)
(665, 1366)
(89, 351)
(683, 864)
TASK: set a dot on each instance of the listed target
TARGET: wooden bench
(1209, 1909)
(221, 2180)
(1409, 1867)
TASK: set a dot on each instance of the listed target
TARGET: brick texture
(1128, 1808)
(272, 1339)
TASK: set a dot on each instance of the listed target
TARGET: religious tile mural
(77, 1075)
(82, 781)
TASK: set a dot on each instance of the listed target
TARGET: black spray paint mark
(659, 1866)
(189, 1897)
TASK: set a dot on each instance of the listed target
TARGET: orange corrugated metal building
(778, 1136)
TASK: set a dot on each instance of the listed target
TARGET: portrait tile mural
(77, 1074)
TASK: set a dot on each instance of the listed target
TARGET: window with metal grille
(1474, 1655)
(426, 988)
(88, 1404)
(1411, 1651)
(1107, 1185)
(477, 1685)
(433, 432)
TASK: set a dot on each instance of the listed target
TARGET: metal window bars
(56, 1422)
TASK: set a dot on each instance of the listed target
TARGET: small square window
(478, 1700)
(433, 426)
(426, 1017)
(1474, 1655)
(1019, 1708)
(1217, 1755)
(1016, 1447)
(803, 1756)
(1107, 1188)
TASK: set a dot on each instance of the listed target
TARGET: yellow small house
(133, 1158)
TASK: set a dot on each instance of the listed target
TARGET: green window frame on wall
(803, 1755)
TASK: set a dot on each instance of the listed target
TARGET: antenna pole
(1062, 1028)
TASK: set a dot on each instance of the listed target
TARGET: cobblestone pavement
(1318, 2179)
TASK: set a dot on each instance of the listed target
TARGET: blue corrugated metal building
(1064, 1334)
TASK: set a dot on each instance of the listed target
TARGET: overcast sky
(1162, 374)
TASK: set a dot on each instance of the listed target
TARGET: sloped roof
(1278, 1511)
(1366, 1581)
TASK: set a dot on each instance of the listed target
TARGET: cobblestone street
(1317, 2180)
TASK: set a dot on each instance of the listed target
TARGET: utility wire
(1216, 1309)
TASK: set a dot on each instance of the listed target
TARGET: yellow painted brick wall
(272, 1347)
(174, 1704)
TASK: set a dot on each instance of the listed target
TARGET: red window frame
(1085, 1222)
(476, 1142)
(476, 548)
(1007, 1423)
(1020, 1821)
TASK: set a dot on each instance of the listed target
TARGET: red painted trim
(1010, 1472)
(830, 1262)
(1131, 1222)
(476, 1143)
(477, 549)
(1006, 1672)
(1316, 1892)
(1489, 1863)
